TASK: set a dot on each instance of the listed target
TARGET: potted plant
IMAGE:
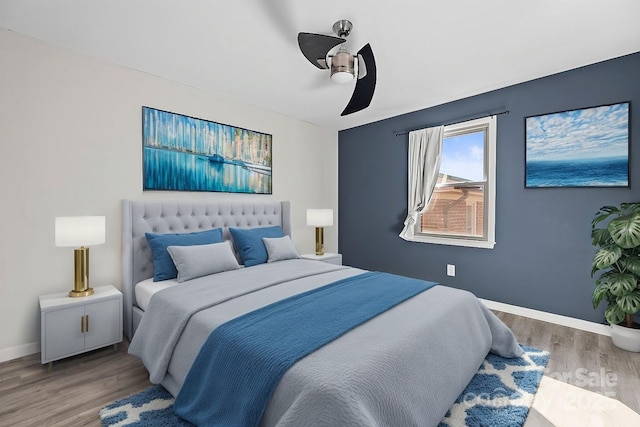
(618, 260)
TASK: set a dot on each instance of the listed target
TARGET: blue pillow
(163, 265)
(249, 244)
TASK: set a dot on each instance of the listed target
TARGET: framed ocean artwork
(182, 153)
(587, 147)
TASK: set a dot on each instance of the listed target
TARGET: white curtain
(425, 148)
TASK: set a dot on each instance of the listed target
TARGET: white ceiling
(427, 51)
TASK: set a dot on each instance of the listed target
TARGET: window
(461, 210)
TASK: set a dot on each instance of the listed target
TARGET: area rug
(500, 394)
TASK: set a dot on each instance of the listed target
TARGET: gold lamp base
(319, 241)
(74, 293)
(81, 273)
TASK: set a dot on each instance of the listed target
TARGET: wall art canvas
(183, 153)
(588, 147)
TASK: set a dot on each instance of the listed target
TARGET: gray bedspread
(404, 367)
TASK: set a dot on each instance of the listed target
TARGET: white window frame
(490, 206)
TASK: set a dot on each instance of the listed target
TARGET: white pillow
(201, 260)
(280, 248)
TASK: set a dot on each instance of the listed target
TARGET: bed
(403, 366)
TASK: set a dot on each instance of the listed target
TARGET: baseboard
(557, 319)
(19, 351)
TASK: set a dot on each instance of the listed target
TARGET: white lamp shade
(320, 217)
(80, 230)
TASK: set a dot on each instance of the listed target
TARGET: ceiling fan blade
(366, 84)
(316, 46)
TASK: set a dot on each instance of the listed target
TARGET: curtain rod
(464, 119)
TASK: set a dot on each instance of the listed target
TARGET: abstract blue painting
(588, 147)
(182, 153)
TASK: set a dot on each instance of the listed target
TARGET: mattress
(147, 288)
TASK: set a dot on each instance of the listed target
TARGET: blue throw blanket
(242, 361)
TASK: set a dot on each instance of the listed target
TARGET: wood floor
(73, 393)
(583, 359)
(77, 388)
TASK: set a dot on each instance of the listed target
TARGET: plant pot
(626, 338)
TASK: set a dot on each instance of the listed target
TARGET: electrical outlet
(451, 270)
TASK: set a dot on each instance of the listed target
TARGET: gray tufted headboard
(140, 217)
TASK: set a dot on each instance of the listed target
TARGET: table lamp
(319, 218)
(80, 231)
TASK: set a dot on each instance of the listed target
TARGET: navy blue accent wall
(542, 259)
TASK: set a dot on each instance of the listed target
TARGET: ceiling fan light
(342, 77)
(342, 67)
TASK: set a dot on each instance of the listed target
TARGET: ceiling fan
(344, 66)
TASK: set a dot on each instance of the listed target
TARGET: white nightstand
(72, 326)
(327, 257)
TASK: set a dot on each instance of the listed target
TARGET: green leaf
(610, 209)
(630, 208)
(614, 314)
(606, 256)
(599, 218)
(629, 303)
(633, 265)
(599, 293)
(604, 213)
(621, 283)
(600, 236)
(625, 230)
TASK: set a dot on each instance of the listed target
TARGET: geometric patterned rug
(150, 407)
(500, 394)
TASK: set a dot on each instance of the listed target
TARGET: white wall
(71, 144)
